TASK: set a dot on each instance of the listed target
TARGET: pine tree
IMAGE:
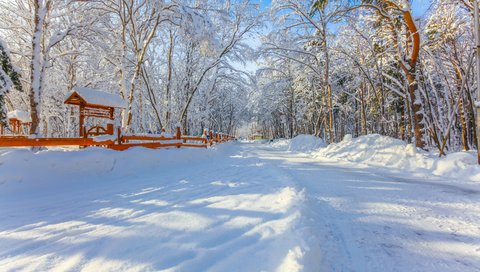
(9, 78)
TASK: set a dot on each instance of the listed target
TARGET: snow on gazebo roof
(95, 97)
(23, 116)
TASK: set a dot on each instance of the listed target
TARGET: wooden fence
(121, 142)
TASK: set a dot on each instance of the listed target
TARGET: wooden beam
(147, 138)
(22, 141)
(146, 145)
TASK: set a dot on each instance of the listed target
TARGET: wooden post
(204, 136)
(119, 135)
(110, 130)
(178, 135)
(80, 121)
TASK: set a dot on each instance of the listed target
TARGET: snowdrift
(217, 209)
(305, 143)
(383, 151)
(22, 169)
(280, 143)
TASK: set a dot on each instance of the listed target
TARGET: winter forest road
(248, 207)
(372, 220)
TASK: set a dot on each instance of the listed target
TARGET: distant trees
(387, 72)
(170, 60)
(326, 67)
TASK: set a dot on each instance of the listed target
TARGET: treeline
(172, 61)
(332, 68)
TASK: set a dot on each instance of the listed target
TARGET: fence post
(119, 135)
(178, 136)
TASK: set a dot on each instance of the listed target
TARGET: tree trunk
(330, 114)
(416, 105)
(362, 110)
(169, 80)
(35, 92)
(416, 110)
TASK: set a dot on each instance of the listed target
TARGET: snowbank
(377, 150)
(280, 143)
(305, 143)
(217, 209)
(21, 169)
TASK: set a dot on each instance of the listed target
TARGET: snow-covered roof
(98, 97)
(23, 116)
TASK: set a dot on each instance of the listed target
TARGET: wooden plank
(13, 137)
(146, 145)
(147, 138)
(193, 138)
(194, 145)
(16, 142)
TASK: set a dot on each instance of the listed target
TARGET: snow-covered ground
(236, 207)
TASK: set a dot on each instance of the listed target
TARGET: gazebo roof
(92, 97)
(23, 116)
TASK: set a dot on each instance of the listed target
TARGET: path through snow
(245, 207)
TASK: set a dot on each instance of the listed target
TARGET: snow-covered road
(243, 207)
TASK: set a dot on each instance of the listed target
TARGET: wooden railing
(18, 141)
(122, 142)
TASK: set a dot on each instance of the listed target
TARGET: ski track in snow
(251, 208)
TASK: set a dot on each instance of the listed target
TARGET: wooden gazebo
(95, 103)
(19, 121)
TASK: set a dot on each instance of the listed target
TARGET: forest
(327, 68)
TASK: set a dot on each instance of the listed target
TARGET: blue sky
(419, 6)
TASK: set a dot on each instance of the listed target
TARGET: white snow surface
(106, 137)
(99, 97)
(23, 116)
(377, 150)
(240, 206)
(305, 143)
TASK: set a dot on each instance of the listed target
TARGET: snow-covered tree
(9, 78)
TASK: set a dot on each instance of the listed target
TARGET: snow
(477, 104)
(23, 116)
(99, 97)
(280, 143)
(305, 143)
(376, 150)
(106, 137)
(141, 209)
(5, 81)
(239, 206)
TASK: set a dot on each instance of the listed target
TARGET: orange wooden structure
(95, 103)
(122, 142)
(23, 141)
(19, 122)
(100, 104)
